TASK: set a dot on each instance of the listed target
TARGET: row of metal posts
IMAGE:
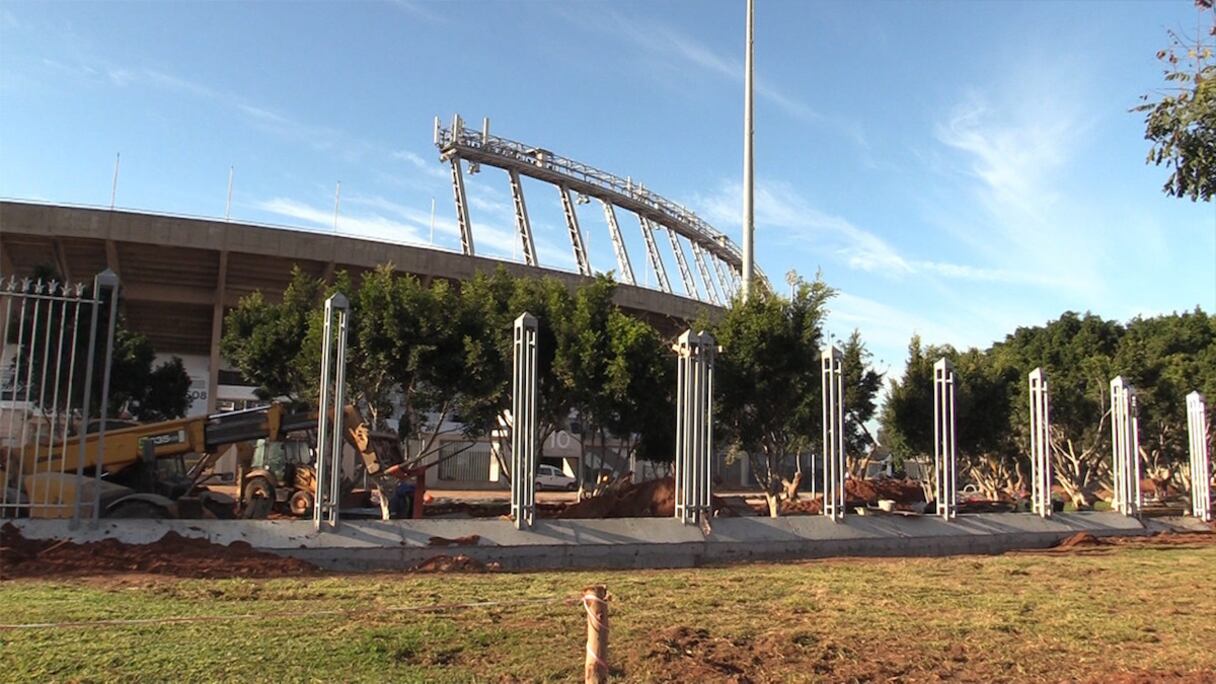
(36, 301)
(694, 430)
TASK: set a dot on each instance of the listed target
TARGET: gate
(51, 357)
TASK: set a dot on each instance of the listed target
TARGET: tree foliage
(438, 357)
(1180, 122)
(768, 381)
(1164, 357)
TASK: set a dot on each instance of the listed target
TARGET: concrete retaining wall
(617, 543)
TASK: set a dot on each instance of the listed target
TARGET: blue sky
(955, 169)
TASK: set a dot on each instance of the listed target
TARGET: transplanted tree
(981, 411)
(1165, 358)
(1181, 119)
(263, 340)
(768, 379)
(861, 386)
(1077, 352)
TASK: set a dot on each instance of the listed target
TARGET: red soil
(172, 554)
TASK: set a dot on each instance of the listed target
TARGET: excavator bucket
(380, 451)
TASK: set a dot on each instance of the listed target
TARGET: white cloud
(781, 209)
(431, 169)
(374, 217)
(360, 225)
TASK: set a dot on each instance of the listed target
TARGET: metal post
(831, 363)
(228, 204)
(944, 456)
(1197, 432)
(523, 417)
(106, 279)
(331, 404)
(1040, 444)
(694, 426)
(749, 160)
(1125, 459)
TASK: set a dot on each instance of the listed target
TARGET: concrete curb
(621, 543)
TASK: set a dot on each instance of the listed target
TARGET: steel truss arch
(457, 143)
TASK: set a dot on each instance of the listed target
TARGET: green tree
(861, 386)
(1077, 353)
(1180, 122)
(768, 379)
(263, 340)
(1165, 358)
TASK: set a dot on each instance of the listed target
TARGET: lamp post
(749, 214)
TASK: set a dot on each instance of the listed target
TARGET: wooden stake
(595, 602)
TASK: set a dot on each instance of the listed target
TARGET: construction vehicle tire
(259, 498)
(138, 509)
(300, 504)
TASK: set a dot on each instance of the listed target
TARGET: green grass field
(1121, 614)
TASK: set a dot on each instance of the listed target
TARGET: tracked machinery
(156, 470)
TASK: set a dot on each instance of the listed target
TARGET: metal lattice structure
(523, 423)
(1040, 444)
(1125, 445)
(329, 417)
(945, 460)
(832, 361)
(715, 254)
(694, 425)
(1201, 470)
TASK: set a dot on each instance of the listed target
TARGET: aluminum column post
(1125, 461)
(832, 387)
(1201, 473)
(331, 404)
(523, 418)
(694, 426)
(944, 457)
(1040, 444)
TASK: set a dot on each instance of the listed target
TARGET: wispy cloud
(428, 168)
(378, 218)
(782, 209)
(1005, 156)
(668, 43)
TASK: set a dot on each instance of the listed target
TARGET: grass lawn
(1118, 614)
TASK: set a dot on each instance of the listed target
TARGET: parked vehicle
(552, 477)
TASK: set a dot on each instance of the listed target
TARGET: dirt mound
(905, 494)
(649, 499)
(868, 492)
(697, 655)
(172, 554)
(1079, 540)
(459, 563)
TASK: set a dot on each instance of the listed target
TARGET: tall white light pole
(749, 214)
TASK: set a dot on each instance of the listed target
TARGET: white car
(552, 477)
